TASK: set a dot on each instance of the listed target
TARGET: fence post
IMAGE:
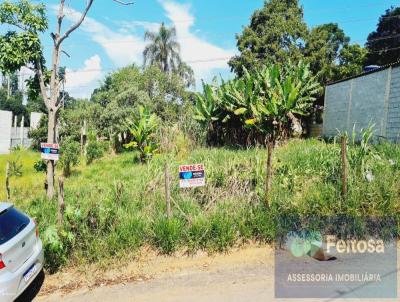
(268, 177)
(21, 135)
(8, 181)
(61, 203)
(167, 190)
(344, 166)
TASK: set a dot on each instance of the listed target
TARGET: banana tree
(287, 93)
(208, 107)
(270, 100)
(143, 127)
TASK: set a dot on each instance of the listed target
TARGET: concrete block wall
(5, 131)
(337, 99)
(372, 99)
(393, 118)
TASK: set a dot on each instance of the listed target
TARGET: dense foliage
(142, 127)
(275, 35)
(384, 43)
(262, 104)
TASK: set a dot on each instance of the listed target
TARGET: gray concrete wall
(5, 131)
(16, 136)
(393, 118)
(337, 98)
(373, 99)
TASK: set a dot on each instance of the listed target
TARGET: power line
(221, 36)
(241, 17)
(195, 62)
(330, 10)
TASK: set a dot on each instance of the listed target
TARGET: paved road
(234, 282)
(239, 284)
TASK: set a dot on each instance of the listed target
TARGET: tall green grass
(116, 205)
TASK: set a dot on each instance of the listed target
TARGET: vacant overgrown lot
(117, 205)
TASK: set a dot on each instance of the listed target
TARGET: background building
(12, 135)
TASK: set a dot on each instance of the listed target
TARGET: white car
(21, 252)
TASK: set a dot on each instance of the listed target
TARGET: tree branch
(39, 72)
(123, 3)
(60, 102)
(66, 53)
(77, 24)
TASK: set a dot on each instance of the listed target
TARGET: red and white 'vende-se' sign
(191, 176)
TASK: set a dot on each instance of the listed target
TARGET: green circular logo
(303, 243)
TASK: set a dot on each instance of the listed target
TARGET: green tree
(323, 48)
(351, 61)
(167, 93)
(163, 49)
(69, 155)
(276, 34)
(383, 44)
(115, 101)
(14, 103)
(22, 47)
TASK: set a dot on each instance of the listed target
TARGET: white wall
(35, 119)
(5, 131)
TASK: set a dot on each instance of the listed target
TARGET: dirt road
(244, 275)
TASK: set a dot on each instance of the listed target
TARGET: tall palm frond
(163, 49)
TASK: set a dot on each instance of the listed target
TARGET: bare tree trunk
(8, 181)
(83, 138)
(344, 166)
(8, 87)
(61, 203)
(167, 191)
(268, 179)
(50, 163)
(51, 96)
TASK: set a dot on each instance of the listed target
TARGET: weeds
(115, 205)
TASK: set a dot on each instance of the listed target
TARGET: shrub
(16, 168)
(167, 234)
(142, 128)
(40, 166)
(223, 232)
(95, 150)
(56, 247)
(70, 151)
(39, 135)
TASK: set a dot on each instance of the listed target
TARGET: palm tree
(163, 49)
